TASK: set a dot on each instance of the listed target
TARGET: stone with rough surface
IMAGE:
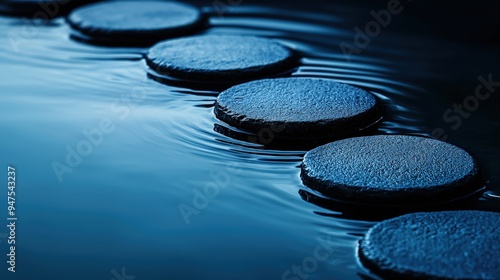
(391, 170)
(134, 22)
(298, 107)
(227, 58)
(435, 245)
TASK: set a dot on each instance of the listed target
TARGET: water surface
(119, 206)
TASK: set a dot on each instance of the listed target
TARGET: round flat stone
(219, 57)
(299, 107)
(134, 22)
(391, 170)
(435, 245)
(40, 10)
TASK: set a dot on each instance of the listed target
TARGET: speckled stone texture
(135, 22)
(220, 57)
(435, 245)
(40, 9)
(299, 107)
(391, 170)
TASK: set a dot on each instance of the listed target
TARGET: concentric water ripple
(167, 144)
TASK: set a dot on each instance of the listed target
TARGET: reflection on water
(119, 206)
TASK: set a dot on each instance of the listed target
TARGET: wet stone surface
(391, 170)
(298, 107)
(437, 245)
(134, 22)
(224, 58)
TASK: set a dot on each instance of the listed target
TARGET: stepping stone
(134, 22)
(298, 108)
(391, 170)
(435, 245)
(40, 10)
(225, 58)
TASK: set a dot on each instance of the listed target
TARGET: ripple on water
(177, 117)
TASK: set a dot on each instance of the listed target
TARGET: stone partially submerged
(435, 245)
(134, 22)
(298, 108)
(221, 58)
(391, 170)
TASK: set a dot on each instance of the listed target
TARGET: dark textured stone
(435, 245)
(227, 58)
(39, 9)
(134, 22)
(297, 107)
(391, 170)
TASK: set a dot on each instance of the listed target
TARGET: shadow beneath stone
(270, 138)
(375, 212)
(205, 85)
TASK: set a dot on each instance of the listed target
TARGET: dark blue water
(119, 205)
